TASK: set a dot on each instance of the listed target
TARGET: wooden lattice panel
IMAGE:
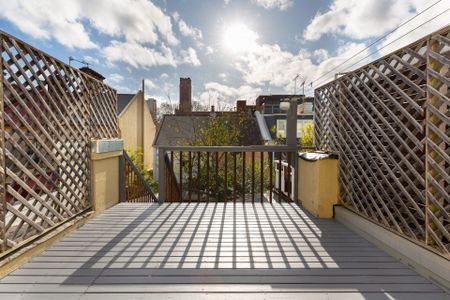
(438, 142)
(49, 113)
(389, 122)
(326, 114)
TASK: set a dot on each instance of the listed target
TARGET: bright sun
(238, 38)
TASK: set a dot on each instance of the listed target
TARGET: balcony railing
(227, 174)
(133, 186)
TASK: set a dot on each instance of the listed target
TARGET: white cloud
(91, 60)
(137, 55)
(149, 84)
(321, 54)
(138, 21)
(48, 19)
(190, 57)
(396, 41)
(209, 50)
(189, 31)
(114, 78)
(223, 76)
(225, 96)
(271, 65)
(269, 4)
(358, 19)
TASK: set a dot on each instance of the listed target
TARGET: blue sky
(231, 49)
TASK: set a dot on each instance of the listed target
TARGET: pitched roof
(176, 130)
(122, 101)
(151, 105)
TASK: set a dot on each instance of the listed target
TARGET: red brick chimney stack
(185, 96)
(241, 105)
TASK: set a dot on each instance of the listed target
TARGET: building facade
(137, 122)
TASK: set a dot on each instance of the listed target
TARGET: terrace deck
(198, 250)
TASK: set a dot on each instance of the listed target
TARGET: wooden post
(226, 178)
(208, 189)
(243, 177)
(181, 177)
(253, 177)
(217, 176)
(262, 176)
(270, 176)
(234, 177)
(161, 176)
(122, 179)
(199, 193)
(190, 177)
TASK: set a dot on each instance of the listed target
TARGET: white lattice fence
(390, 123)
(49, 112)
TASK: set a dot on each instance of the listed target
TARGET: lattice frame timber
(390, 123)
(49, 112)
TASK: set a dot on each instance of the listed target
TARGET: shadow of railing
(278, 245)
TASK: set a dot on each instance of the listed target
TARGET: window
(267, 109)
(281, 128)
(276, 109)
(300, 124)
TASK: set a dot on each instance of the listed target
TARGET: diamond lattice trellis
(390, 123)
(49, 112)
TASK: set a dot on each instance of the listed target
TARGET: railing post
(121, 179)
(295, 183)
(161, 175)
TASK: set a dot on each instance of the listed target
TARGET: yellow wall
(318, 188)
(132, 121)
(149, 136)
(128, 125)
(105, 180)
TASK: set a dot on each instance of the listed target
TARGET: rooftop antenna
(81, 61)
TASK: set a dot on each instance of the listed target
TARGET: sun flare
(238, 38)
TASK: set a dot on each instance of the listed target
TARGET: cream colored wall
(318, 188)
(128, 123)
(149, 135)
(105, 180)
(138, 129)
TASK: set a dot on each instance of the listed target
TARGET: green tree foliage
(137, 157)
(308, 135)
(223, 130)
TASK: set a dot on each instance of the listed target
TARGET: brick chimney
(93, 73)
(241, 105)
(185, 96)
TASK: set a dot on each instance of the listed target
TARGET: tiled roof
(176, 130)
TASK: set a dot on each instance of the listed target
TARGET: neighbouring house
(137, 122)
(185, 124)
(268, 107)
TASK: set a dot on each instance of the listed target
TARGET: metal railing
(227, 173)
(49, 112)
(390, 123)
(133, 186)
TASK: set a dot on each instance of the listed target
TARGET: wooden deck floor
(192, 251)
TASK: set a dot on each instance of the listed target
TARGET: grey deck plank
(203, 251)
